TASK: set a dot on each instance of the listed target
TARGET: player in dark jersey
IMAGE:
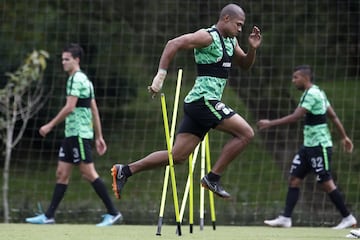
(81, 117)
(315, 154)
(215, 50)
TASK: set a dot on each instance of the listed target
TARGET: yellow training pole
(191, 195)
(189, 189)
(163, 199)
(192, 158)
(172, 135)
(211, 194)
(171, 163)
(202, 173)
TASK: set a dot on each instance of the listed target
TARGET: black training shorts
(316, 159)
(202, 115)
(75, 150)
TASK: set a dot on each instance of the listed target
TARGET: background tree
(20, 99)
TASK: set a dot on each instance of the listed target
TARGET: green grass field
(140, 232)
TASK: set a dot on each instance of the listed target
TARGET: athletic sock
(213, 177)
(101, 191)
(126, 170)
(291, 200)
(339, 203)
(58, 195)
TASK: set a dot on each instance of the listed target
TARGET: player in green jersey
(315, 154)
(81, 117)
(215, 50)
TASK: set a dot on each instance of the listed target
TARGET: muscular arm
(60, 117)
(96, 119)
(295, 116)
(246, 60)
(99, 140)
(346, 141)
(198, 39)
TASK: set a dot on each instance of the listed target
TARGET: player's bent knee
(247, 135)
(179, 159)
(61, 177)
(250, 134)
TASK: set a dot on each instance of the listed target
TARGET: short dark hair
(232, 10)
(75, 49)
(305, 69)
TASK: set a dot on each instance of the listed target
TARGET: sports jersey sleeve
(75, 84)
(307, 101)
(327, 103)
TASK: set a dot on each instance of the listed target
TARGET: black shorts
(202, 115)
(75, 150)
(316, 159)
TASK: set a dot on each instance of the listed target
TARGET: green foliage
(22, 88)
(27, 75)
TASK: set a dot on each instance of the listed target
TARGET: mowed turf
(140, 232)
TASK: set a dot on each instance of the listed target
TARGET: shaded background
(123, 41)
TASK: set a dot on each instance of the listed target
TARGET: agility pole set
(169, 170)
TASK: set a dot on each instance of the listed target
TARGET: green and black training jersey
(316, 131)
(214, 63)
(79, 122)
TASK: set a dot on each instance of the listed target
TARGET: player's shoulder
(80, 76)
(315, 89)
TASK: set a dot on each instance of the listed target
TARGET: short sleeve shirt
(79, 122)
(314, 100)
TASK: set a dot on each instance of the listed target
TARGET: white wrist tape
(158, 80)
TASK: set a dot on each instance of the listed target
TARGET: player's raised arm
(246, 60)
(200, 38)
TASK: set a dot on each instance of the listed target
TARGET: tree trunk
(6, 170)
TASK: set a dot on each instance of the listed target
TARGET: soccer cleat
(280, 221)
(354, 234)
(214, 187)
(40, 219)
(109, 220)
(346, 222)
(119, 179)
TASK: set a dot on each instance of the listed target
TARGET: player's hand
(157, 82)
(347, 144)
(255, 38)
(44, 130)
(152, 92)
(263, 124)
(100, 146)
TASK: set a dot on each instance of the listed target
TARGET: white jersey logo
(226, 64)
(61, 152)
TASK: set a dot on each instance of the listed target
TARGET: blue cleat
(109, 220)
(40, 219)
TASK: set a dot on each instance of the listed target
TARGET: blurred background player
(215, 50)
(81, 117)
(315, 154)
